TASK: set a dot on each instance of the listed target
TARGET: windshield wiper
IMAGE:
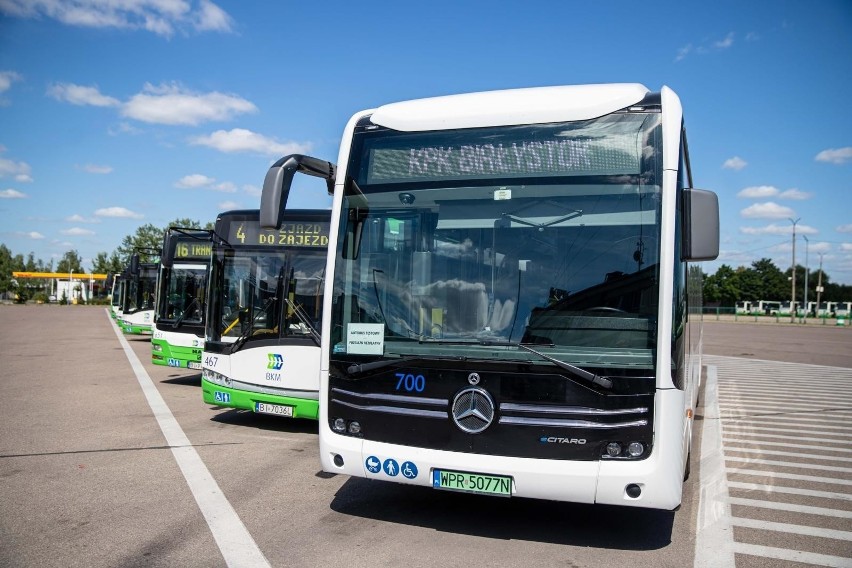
(576, 371)
(184, 313)
(245, 334)
(303, 317)
(357, 368)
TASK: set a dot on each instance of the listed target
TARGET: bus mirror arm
(279, 178)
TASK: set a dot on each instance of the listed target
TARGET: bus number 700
(410, 383)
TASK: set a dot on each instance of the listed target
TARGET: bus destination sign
(193, 250)
(292, 233)
(605, 148)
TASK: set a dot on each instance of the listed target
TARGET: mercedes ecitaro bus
(509, 305)
(137, 313)
(262, 348)
(178, 335)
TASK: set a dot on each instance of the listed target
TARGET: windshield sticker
(365, 338)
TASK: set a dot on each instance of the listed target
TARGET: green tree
(70, 261)
(774, 283)
(103, 264)
(723, 286)
(5, 269)
(146, 241)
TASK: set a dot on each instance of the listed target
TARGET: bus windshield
(268, 284)
(140, 290)
(184, 287)
(467, 242)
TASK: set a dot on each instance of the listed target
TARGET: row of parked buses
(814, 309)
(501, 299)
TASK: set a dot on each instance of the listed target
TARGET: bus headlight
(632, 451)
(339, 425)
(613, 449)
(635, 449)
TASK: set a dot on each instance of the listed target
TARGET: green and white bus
(262, 348)
(137, 309)
(117, 286)
(178, 335)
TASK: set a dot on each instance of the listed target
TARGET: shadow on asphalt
(601, 526)
(184, 380)
(248, 419)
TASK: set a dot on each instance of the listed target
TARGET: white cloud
(123, 128)
(758, 192)
(683, 52)
(19, 170)
(118, 212)
(773, 229)
(173, 104)
(35, 235)
(77, 232)
(6, 80)
(228, 205)
(735, 163)
(835, 155)
(846, 247)
(12, 194)
(252, 190)
(242, 140)
(725, 43)
(211, 17)
(80, 219)
(795, 194)
(193, 181)
(162, 17)
(96, 169)
(768, 210)
(225, 187)
(844, 229)
(80, 95)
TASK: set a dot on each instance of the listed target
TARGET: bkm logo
(276, 361)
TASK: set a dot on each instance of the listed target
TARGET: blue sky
(115, 117)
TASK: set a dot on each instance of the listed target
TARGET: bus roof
(509, 107)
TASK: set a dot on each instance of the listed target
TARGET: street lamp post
(807, 244)
(70, 285)
(793, 274)
(819, 283)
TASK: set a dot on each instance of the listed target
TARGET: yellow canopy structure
(78, 275)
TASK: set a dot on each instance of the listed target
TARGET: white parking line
(799, 465)
(791, 507)
(794, 476)
(793, 555)
(792, 529)
(790, 490)
(714, 532)
(233, 539)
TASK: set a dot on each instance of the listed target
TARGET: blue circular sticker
(409, 470)
(373, 464)
(391, 467)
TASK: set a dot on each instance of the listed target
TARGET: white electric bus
(510, 307)
(178, 335)
(262, 346)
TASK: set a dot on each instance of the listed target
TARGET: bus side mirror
(279, 178)
(700, 225)
(134, 264)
